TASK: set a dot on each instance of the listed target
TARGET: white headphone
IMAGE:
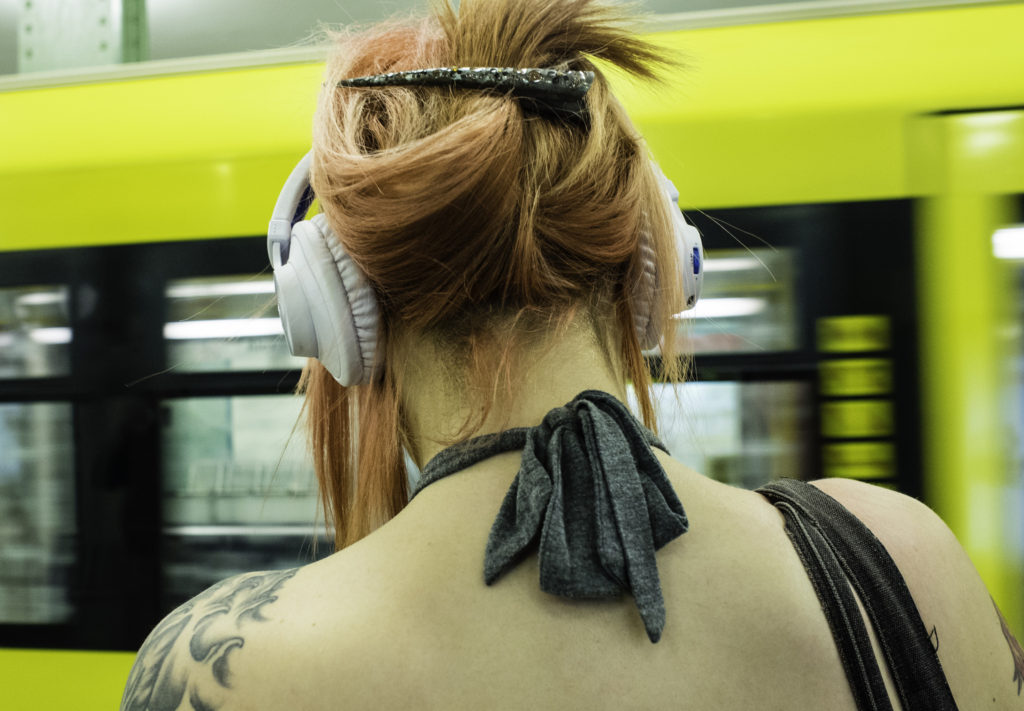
(328, 307)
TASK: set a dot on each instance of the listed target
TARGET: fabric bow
(598, 503)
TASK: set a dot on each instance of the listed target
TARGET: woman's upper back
(403, 618)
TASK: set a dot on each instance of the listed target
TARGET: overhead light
(54, 336)
(218, 289)
(41, 298)
(1008, 242)
(226, 530)
(223, 329)
(732, 264)
(725, 308)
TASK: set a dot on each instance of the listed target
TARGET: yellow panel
(215, 116)
(816, 111)
(84, 681)
(116, 204)
(989, 152)
(860, 460)
(855, 376)
(167, 158)
(852, 334)
(952, 58)
(857, 418)
(773, 159)
(974, 153)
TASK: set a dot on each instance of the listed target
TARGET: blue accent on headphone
(696, 261)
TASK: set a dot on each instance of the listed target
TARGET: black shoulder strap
(837, 602)
(911, 658)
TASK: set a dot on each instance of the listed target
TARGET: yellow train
(881, 156)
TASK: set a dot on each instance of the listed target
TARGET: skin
(402, 619)
(555, 372)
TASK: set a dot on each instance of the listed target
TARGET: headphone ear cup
(690, 248)
(689, 251)
(328, 308)
(293, 307)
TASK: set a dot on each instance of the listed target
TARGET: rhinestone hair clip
(546, 91)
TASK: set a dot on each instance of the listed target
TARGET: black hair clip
(544, 91)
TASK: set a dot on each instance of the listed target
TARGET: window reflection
(1012, 402)
(36, 512)
(225, 324)
(234, 461)
(239, 490)
(740, 433)
(746, 305)
(34, 332)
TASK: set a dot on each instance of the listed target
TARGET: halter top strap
(465, 454)
(590, 496)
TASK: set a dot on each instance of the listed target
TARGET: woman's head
(484, 229)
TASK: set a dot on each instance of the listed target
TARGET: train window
(1008, 244)
(35, 333)
(740, 433)
(747, 303)
(36, 512)
(225, 324)
(239, 491)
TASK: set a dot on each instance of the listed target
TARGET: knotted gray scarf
(590, 493)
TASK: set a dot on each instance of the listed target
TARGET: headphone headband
(291, 207)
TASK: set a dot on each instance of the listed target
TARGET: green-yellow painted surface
(781, 158)
(857, 418)
(964, 294)
(859, 460)
(913, 61)
(853, 333)
(805, 111)
(215, 116)
(855, 376)
(180, 157)
(39, 680)
(108, 204)
(971, 154)
(816, 111)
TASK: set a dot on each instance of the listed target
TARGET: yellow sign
(857, 418)
(860, 460)
(853, 334)
(860, 376)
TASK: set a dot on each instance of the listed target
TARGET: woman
(494, 252)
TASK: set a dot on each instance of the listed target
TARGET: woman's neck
(552, 375)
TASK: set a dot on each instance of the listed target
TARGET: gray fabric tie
(590, 493)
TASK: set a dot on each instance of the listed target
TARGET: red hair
(482, 228)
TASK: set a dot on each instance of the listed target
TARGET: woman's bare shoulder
(911, 532)
(267, 640)
(922, 545)
(188, 660)
(982, 660)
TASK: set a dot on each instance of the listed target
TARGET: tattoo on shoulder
(188, 655)
(1015, 650)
